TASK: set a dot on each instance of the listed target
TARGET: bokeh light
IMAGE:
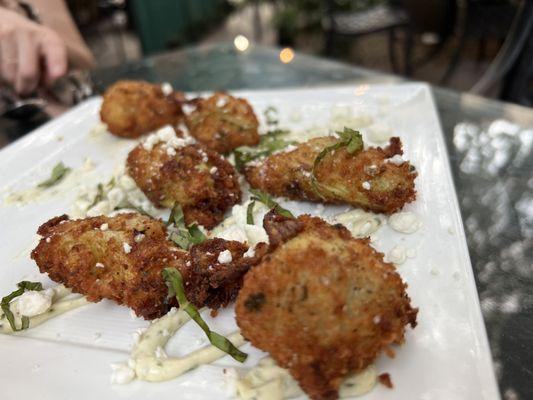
(241, 42)
(286, 55)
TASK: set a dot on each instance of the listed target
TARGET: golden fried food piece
(323, 304)
(365, 179)
(118, 258)
(133, 108)
(199, 179)
(223, 122)
(121, 258)
(215, 284)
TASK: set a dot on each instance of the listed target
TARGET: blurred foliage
(295, 16)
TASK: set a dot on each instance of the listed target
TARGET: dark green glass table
(490, 144)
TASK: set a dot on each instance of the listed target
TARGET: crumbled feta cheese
(188, 108)
(99, 265)
(48, 240)
(376, 319)
(224, 257)
(104, 227)
(250, 252)
(213, 170)
(139, 237)
(122, 373)
(222, 101)
(405, 222)
(126, 182)
(171, 151)
(115, 196)
(126, 247)
(168, 136)
(397, 255)
(33, 302)
(366, 185)
(166, 88)
(396, 160)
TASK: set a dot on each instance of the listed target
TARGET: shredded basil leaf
(270, 203)
(185, 235)
(22, 287)
(269, 143)
(250, 213)
(174, 281)
(58, 172)
(349, 138)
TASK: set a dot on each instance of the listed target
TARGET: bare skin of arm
(32, 54)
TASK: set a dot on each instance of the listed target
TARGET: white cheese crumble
(213, 170)
(166, 88)
(188, 108)
(168, 136)
(250, 252)
(222, 101)
(366, 185)
(99, 265)
(126, 247)
(33, 302)
(243, 232)
(396, 160)
(104, 227)
(122, 373)
(405, 222)
(139, 237)
(397, 255)
(224, 257)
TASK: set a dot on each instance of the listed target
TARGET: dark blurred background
(481, 46)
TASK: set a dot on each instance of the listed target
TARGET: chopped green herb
(268, 144)
(271, 115)
(174, 281)
(270, 203)
(349, 138)
(250, 213)
(58, 172)
(185, 236)
(22, 287)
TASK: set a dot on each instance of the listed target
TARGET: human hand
(30, 54)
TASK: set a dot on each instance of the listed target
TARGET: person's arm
(55, 15)
(29, 53)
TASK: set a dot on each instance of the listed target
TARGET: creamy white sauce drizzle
(267, 381)
(72, 180)
(359, 223)
(58, 307)
(405, 222)
(148, 367)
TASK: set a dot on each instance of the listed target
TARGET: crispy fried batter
(342, 177)
(133, 108)
(91, 258)
(223, 122)
(323, 304)
(203, 182)
(95, 261)
(215, 284)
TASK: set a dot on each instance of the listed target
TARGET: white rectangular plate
(446, 357)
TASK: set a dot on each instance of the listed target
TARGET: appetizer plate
(446, 357)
